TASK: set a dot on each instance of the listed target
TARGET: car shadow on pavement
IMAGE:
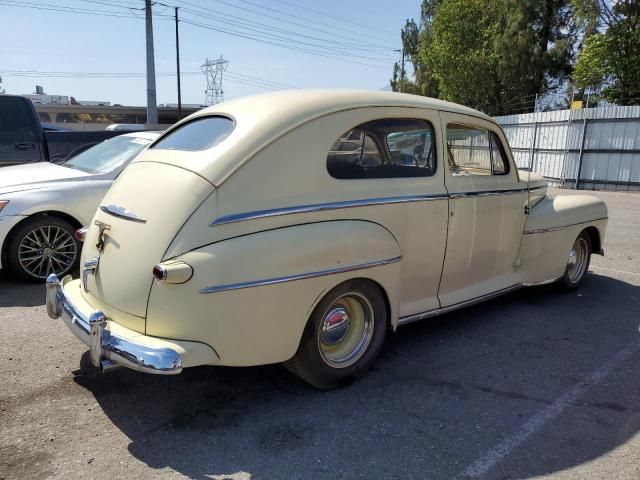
(488, 386)
(16, 293)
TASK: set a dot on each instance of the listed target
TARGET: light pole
(152, 104)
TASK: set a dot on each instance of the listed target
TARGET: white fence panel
(603, 150)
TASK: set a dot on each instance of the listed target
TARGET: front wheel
(40, 246)
(343, 337)
(577, 263)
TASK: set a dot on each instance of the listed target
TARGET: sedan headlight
(3, 203)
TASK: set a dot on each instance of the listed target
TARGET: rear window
(199, 134)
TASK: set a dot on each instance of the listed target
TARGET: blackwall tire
(343, 336)
(40, 246)
(577, 263)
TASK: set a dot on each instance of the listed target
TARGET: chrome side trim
(491, 193)
(543, 282)
(300, 276)
(554, 229)
(121, 212)
(450, 308)
(320, 207)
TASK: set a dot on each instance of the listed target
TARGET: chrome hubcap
(46, 250)
(346, 330)
(335, 326)
(577, 261)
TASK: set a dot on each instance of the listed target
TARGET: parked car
(43, 204)
(24, 140)
(287, 227)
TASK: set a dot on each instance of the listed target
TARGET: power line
(111, 4)
(283, 45)
(289, 41)
(59, 8)
(288, 22)
(286, 14)
(335, 17)
(250, 77)
(241, 77)
(243, 22)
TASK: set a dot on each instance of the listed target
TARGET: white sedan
(43, 204)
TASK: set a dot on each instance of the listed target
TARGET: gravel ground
(533, 384)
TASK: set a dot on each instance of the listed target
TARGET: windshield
(108, 155)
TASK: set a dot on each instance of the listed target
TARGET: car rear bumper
(110, 344)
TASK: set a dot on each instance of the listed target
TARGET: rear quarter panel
(263, 324)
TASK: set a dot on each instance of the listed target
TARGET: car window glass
(411, 148)
(386, 148)
(499, 161)
(199, 134)
(347, 148)
(14, 115)
(468, 150)
(108, 155)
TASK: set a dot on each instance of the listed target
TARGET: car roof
(262, 118)
(314, 102)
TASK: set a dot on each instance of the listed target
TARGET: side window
(474, 151)
(387, 148)
(14, 116)
(498, 158)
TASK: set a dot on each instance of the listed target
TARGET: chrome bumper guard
(107, 349)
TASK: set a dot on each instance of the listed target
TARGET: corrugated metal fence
(594, 148)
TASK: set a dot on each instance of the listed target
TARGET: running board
(450, 308)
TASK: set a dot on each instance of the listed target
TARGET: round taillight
(160, 272)
(81, 234)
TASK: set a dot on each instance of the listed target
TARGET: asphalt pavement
(535, 384)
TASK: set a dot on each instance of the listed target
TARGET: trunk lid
(144, 210)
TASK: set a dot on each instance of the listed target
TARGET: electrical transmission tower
(213, 69)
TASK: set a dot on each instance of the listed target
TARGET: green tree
(610, 54)
(491, 55)
(416, 39)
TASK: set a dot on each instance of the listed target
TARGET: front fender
(550, 230)
(565, 210)
(251, 296)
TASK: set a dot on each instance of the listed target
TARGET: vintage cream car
(302, 227)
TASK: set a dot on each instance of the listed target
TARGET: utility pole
(178, 66)
(152, 104)
(402, 72)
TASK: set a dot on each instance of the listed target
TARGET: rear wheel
(41, 246)
(343, 337)
(577, 263)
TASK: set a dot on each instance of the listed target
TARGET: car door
(399, 157)
(486, 210)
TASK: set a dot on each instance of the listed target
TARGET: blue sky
(33, 39)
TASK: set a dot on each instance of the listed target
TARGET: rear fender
(250, 297)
